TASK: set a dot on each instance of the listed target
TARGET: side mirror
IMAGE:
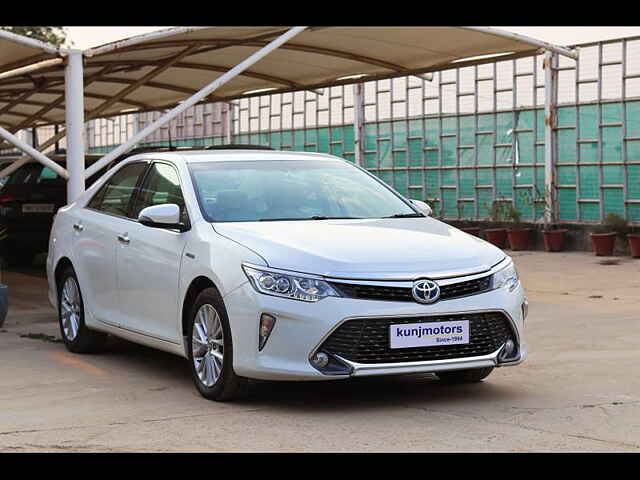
(422, 207)
(166, 215)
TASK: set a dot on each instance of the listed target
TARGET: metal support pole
(74, 119)
(358, 122)
(550, 102)
(32, 152)
(197, 97)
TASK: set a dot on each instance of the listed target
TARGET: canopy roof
(158, 70)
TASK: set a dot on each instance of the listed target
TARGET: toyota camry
(273, 265)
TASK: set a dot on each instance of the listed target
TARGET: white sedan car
(279, 266)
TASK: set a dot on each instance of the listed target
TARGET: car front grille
(366, 340)
(403, 294)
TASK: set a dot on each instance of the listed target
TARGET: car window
(49, 177)
(261, 190)
(25, 174)
(114, 196)
(162, 185)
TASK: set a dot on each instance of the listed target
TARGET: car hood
(392, 248)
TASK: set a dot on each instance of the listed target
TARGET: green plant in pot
(466, 223)
(603, 239)
(553, 237)
(497, 213)
(518, 234)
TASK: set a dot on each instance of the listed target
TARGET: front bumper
(301, 328)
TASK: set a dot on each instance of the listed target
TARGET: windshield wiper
(315, 217)
(405, 215)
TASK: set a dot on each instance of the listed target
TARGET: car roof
(219, 155)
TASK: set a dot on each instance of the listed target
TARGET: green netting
(446, 159)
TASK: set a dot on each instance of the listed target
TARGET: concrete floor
(578, 391)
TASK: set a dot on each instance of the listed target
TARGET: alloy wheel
(71, 309)
(207, 345)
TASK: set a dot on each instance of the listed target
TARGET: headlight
(506, 277)
(295, 286)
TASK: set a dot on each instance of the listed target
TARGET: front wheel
(471, 375)
(75, 334)
(211, 349)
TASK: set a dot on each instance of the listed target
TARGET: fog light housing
(508, 350)
(525, 309)
(320, 360)
(267, 322)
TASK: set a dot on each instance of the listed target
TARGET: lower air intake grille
(367, 340)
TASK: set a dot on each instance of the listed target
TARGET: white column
(358, 123)
(74, 117)
(550, 102)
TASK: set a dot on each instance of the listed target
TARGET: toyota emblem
(425, 291)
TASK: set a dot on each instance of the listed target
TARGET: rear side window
(162, 185)
(49, 177)
(114, 196)
(25, 174)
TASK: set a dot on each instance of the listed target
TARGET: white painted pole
(195, 98)
(74, 117)
(31, 68)
(32, 152)
(358, 121)
(550, 102)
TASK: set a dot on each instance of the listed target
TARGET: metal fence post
(74, 118)
(358, 123)
(550, 101)
(229, 124)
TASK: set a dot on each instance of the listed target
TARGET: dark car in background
(29, 199)
(31, 196)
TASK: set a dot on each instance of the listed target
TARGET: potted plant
(497, 213)
(4, 290)
(553, 238)
(467, 225)
(603, 239)
(518, 234)
(634, 243)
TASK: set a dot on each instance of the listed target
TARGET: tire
(75, 334)
(471, 375)
(212, 369)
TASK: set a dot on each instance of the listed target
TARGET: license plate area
(428, 334)
(38, 208)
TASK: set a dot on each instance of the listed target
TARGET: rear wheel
(75, 334)
(471, 375)
(211, 349)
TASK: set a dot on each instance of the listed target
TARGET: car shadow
(414, 390)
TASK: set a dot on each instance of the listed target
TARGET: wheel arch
(63, 263)
(196, 286)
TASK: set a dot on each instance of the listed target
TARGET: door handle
(78, 227)
(124, 239)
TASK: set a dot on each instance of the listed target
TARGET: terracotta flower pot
(554, 240)
(634, 245)
(472, 231)
(519, 239)
(497, 236)
(603, 243)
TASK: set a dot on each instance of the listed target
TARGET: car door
(96, 237)
(148, 265)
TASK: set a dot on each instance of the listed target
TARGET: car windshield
(271, 190)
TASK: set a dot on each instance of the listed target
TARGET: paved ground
(578, 391)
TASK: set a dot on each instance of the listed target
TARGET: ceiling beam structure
(164, 71)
